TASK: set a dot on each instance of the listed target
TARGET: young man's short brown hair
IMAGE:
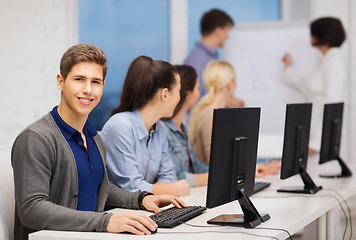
(213, 19)
(82, 53)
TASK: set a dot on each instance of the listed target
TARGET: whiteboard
(256, 54)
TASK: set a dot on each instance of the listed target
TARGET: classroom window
(123, 29)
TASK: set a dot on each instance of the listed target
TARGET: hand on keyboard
(154, 202)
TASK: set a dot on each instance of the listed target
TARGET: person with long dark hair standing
(328, 81)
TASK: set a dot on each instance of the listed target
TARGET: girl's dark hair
(188, 80)
(328, 31)
(143, 79)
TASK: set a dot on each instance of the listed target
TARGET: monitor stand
(309, 185)
(250, 218)
(345, 171)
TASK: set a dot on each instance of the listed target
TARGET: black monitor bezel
(234, 122)
(332, 112)
(298, 115)
(296, 148)
(331, 138)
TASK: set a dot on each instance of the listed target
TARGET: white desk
(288, 211)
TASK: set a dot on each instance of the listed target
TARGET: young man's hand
(132, 222)
(154, 202)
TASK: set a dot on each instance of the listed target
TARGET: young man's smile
(82, 88)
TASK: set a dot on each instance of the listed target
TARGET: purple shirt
(198, 58)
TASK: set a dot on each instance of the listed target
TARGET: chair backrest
(7, 196)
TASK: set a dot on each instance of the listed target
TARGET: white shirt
(326, 85)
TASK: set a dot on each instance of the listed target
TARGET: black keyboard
(259, 186)
(174, 216)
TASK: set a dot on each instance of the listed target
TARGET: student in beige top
(220, 81)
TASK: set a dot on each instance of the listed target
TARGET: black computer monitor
(233, 163)
(295, 147)
(331, 138)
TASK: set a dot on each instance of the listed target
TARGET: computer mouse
(153, 232)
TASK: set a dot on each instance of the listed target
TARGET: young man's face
(82, 89)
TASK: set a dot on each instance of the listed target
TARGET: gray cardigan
(46, 184)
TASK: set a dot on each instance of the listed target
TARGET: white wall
(33, 37)
(352, 89)
(178, 30)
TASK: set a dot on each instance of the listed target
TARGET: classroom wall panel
(256, 52)
(33, 36)
(352, 89)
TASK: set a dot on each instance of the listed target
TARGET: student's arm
(200, 179)
(167, 170)
(33, 161)
(291, 77)
(178, 188)
(122, 165)
(261, 171)
(166, 178)
(272, 167)
(137, 223)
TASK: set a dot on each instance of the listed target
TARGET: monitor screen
(229, 124)
(331, 134)
(233, 160)
(331, 137)
(295, 146)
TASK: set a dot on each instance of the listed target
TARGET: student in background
(138, 157)
(181, 149)
(328, 81)
(220, 80)
(215, 26)
(59, 162)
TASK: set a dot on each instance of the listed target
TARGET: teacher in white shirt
(328, 81)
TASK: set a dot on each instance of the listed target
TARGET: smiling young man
(59, 162)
